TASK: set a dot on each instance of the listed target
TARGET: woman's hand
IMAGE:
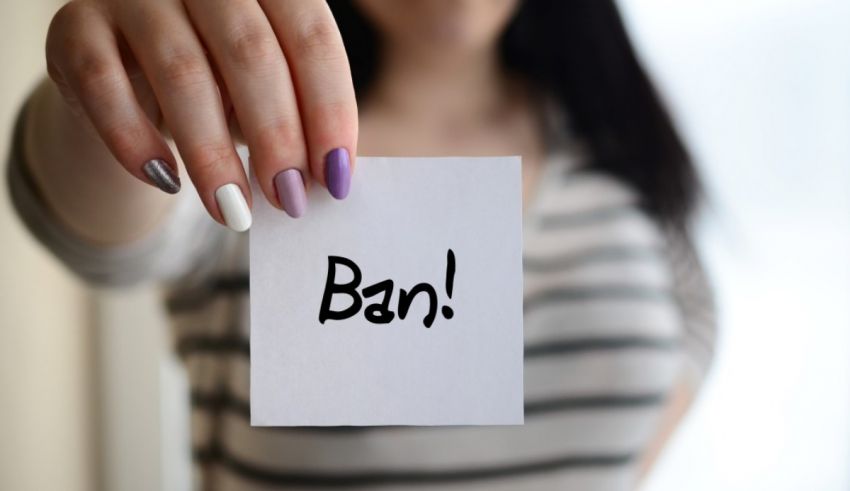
(275, 68)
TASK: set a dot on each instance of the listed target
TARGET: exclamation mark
(448, 313)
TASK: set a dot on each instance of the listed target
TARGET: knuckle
(330, 120)
(211, 158)
(250, 46)
(183, 69)
(124, 140)
(281, 135)
(65, 40)
(317, 39)
(64, 19)
(94, 75)
(336, 111)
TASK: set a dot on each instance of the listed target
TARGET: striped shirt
(616, 312)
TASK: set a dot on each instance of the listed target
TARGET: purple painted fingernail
(338, 172)
(289, 185)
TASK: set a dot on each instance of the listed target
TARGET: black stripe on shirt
(238, 345)
(615, 401)
(221, 400)
(274, 477)
(596, 344)
(209, 344)
(224, 400)
(226, 284)
(556, 295)
(234, 282)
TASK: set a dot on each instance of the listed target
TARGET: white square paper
(399, 222)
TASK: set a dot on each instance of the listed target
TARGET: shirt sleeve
(185, 245)
(693, 294)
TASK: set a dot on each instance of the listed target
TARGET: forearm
(80, 181)
(677, 405)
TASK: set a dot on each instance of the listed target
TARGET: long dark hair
(579, 51)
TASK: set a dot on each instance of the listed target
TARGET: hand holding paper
(400, 306)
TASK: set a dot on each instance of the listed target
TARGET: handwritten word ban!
(380, 312)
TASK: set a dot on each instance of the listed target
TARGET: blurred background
(760, 90)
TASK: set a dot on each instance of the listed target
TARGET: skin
(442, 91)
(201, 71)
(132, 80)
(678, 402)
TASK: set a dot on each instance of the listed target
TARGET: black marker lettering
(448, 313)
(405, 299)
(380, 312)
(332, 288)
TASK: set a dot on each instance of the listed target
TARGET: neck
(438, 88)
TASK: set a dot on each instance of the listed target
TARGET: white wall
(46, 395)
(143, 396)
(762, 90)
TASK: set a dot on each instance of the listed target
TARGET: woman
(608, 192)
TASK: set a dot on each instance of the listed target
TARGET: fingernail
(161, 175)
(233, 207)
(338, 172)
(289, 185)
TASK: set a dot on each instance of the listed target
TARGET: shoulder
(577, 207)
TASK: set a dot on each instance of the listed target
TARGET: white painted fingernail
(233, 207)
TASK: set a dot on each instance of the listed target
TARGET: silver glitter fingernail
(161, 175)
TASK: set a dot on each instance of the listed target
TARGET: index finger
(321, 75)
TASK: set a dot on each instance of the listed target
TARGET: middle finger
(251, 62)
